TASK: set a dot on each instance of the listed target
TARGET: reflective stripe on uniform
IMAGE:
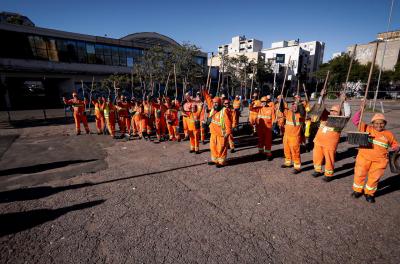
(355, 185)
(263, 116)
(296, 165)
(329, 172)
(330, 129)
(292, 123)
(381, 144)
(370, 188)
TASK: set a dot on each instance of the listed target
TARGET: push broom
(319, 107)
(357, 137)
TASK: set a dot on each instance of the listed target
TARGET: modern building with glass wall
(40, 65)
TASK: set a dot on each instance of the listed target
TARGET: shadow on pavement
(245, 159)
(25, 123)
(33, 193)
(42, 167)
(12, 223)
(388, 185)
(350, 152)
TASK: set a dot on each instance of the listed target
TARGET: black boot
(296, 171)
(327, 179)
(370, 198)
(285, 166)
(356, 194)
(269, 158)
(233, 151)
(211, 163)
(316, 174)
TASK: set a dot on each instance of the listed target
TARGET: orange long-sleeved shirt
(221, 123)
(265, 115)
(77, 105)
(293, 126)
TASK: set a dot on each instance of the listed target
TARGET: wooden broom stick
(368, 84)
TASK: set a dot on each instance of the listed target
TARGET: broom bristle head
(358, 138)
(338, 122)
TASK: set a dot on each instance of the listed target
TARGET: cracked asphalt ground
(89, 199)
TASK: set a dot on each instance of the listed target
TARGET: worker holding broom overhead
(265, 119)
(294, 120)
(99, 104)
(109, 116)
(252, 114)
(220, 128)
(327, 140)
(194, 128)
(185, 115)
(232, 115)
(372, 161)
(79, 112)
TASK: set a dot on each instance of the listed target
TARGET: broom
(361, 138)
(340, 122)
(318, 108)
(281, 95)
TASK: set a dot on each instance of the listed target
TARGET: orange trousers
(185, 121)
(219, 149)
(291, 148)
(110, 121)
(173, 132)
(136, 123)
(320, 154)
(202, 134)
(161, 127)
(80, 117)
(264, 140)
(124, 124)
(100, 122)
(231, 141)
(374, 170)
(194, 136)
(253, 119)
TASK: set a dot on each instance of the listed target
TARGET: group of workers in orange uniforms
(221, 118)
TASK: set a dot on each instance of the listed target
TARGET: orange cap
(226, 101)
(217, 100)
(378, 117)
(264, 99)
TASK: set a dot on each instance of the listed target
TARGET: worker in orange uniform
(203, 121)
(124, 120)
(326, 142)
(79, 112)
(252, 114)
(185, 115)
(99, 104)
(231, 113)
(372, 161)
(265, 119)
(292, 139)
(194, 129)
(109, 116)
(171, 117)
(237, 105)
(159, 119)
(220, 129)
(280, 107)
(148, 117)
(136, 118)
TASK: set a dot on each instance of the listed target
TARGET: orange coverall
(148, 117)
(325, 145)
(253, 114)
(280, 117)
(194, 133)
(185, 117)
(159, 117)
(136, 120)
(220, 129)
(99, 114)
(292, 138)
(79, 115)
(171, 115)
(109, 116)
(231, 113)
(372, 161)
(236, 113)
(123, 116)
(265, 118)
(203, 117)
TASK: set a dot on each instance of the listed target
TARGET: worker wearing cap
(372, 161)
(203, 121)
(280, 107)
(326, 142)
(124, 120)
(148, 117)
(109, 116)
(252, 114)
(237, 103)
(136, 118)
(99, 104)
(79, 112)
(231, 113)
(159, 119)
(220, 129)
(194, 128)
(185, 115)
(171, 117)
(294, 120)
(265, 118)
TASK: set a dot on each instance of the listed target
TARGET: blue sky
(208, 23)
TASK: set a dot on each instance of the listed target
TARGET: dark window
(115, 60)
(129, 61)
(107, 60)
(122, 61)
(99, 59)
(107, 50)
(72, 51)
(99, 49)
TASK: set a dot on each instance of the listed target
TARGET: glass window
(99, 59)
(99, 49)
(129, 61)
(115, 60)
(122, 52)
(71, 51)
(122, 61)
(40, 43)
(129, 52)
(52, 50)
(114, 51)
(90, 48)
(42, 54)
(107, 50)
(107, 60)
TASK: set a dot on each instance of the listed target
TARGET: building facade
(364, 52)
(40, 65)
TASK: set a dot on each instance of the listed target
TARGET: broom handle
(176, 85)
(368, 84)
(325, 84)
(298, 87)
(252, 81)
(283, 85)
(351, 64)
(305, 92)
(209, 72)
(166, 84)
